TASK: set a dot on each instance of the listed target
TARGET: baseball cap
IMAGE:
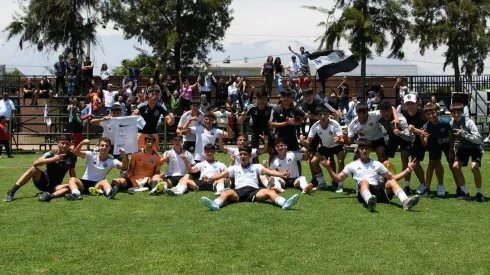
(410, 98)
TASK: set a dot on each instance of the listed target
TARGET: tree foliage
(366, 25)
(144, 62)
(53, 24)
(181, 32)
(460, 25)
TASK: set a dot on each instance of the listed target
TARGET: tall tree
(366, 24)
(181, 32)
(461, 25)
(50, 24)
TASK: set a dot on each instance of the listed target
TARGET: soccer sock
(340, 185)
(181, 188)
(463, 188)
(220, 187)
(14, 189)
(365, 195)
(280, 201)
(76, 192)
(407, 183)
(402, 196)
(219, 202)
(153, 184)
(302, 183)
(321, 180)
(277, 183)
(106, 192)
(478, 190)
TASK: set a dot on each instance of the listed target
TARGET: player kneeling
(207, 167)
(144, 169)
(247, 184)
(366, 172)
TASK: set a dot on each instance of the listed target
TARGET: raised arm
(78, 150)
(190, 169)
(274, 173)
(221, 146)
(335, 177)
(388, 175)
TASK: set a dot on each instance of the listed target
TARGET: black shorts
(463, 155)
(330, 152)
(87, 184)
(378, 143)
(315, 142)
(379, 191)
(129, 184)
(393, 144)
(204, 186)
(416, 149)
(43, 184)
(43, 95)
(256, 140)
(174, 180)
(435, 152)
(28, 95)
(188, 145)
(289, 182)
(246, 193)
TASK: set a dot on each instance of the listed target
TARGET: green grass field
(326, 233)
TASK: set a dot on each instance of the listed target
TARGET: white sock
(407, 183)
(478, 190)
(181, 188)
(76, 192)
(302, 182)
(321, 180)
(219, 202)
(277, 183)
(340, 185)
(402, 196)
(463, 188)
(220, 187)
(106, 192)
(365, 195)
(280, 201)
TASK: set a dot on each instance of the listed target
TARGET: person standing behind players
(366, 172)
(468, 143)
(190, 139)
(151, 111)
(330, 133)
(247, 184)
(206, 134)
(49, 182)
(397, 136)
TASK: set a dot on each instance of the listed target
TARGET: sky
(274, 23)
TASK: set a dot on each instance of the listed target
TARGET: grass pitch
(325, 233)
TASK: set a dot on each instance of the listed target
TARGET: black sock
(153, 184)
(14, 189)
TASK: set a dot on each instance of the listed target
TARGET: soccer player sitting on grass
(247, 184)
(286, 161)
(176, 165)
(206, 134)
(98, 165)
(49, 182)
(366, 172)
(206, 167)
(242, 140)
(144, 170)
(438, 139)
(330, 133)
(468, 143)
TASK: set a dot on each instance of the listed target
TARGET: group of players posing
(412, 130)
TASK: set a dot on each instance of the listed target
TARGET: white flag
(47, 120)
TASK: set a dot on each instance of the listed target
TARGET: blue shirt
(438, 131)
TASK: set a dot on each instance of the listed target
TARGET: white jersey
(208, 169)
(369, 171)
(96, 170)
(288, 163)
(327, 135)
(125, 133)
(203, 137)
(108, 126)
(234, 151)
(246, 176)
(370, 130)
(186, 116)
(176, 165)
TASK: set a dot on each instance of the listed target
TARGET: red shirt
(4, 131)
(95, 100)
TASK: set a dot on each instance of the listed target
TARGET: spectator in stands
(233, 91)
(267, 72)
(321, 97)
(28, 91)
(241, 90)
(420, 103)
(5, 137)
(373, 102)
(205, 106)
(185, 93)
(104, 76)
(344, 95)
(303, 60)
(109, 98)
(293, 67)
(44, 90)
(72, 71)
(152, 85)
(351, 112)
(76, 126)
(168, 86)
(60, 68)
(434, 102)
(381, 92)
(87, 72)
(205, 89)
(133, 73)
(129, 87)
(131, 104)
(396, 87)
(95, 100)
(222, 90)
(175, 100)
(278, 71)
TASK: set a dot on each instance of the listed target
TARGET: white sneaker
(421, 188)
(441, 191)
(340, 188)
